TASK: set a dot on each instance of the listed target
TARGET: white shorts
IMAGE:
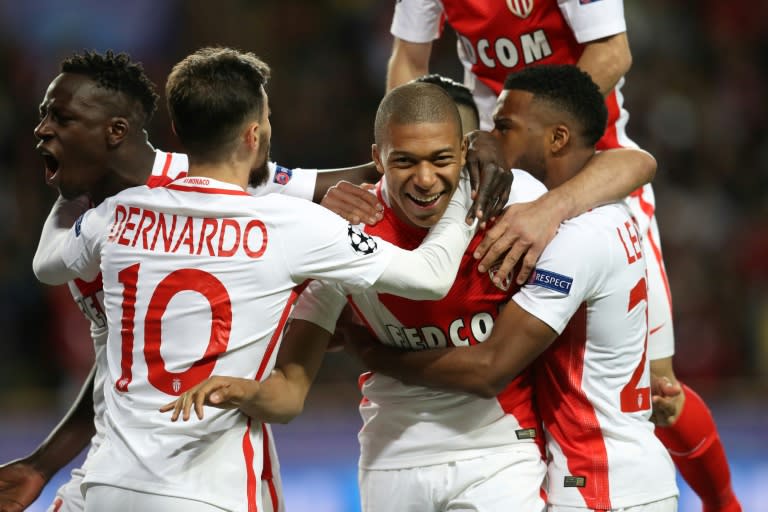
(661, 335)
(99, 498)
(665, 505)
(510, 480)
(69, 497)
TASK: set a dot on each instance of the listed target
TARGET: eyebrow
(447, 149)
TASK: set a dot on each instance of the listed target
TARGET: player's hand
(666, 399)
(522, 231)
(354, 203)
(216, 391)
(20, 485)
(489, 175)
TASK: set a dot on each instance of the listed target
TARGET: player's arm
(407, 61)
(327, 178)
(606, 60)
(46, 263)
(428, 272)
(485, 369)
(523, 230)
(22, 480)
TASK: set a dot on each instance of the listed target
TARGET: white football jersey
(198, 278)
(89, 296)
(593, 383)
(405, 425)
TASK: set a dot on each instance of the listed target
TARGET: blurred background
(696, 98)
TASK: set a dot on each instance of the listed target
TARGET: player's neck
(130, 166)
(562, 169)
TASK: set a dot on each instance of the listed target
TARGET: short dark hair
(456, 90)
(416, 102)
(210, 93)
(569, 89)
(115, 72)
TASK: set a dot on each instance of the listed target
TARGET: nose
(42, 131)
(425, 177)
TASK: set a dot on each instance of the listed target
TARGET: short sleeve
(417, 21)
(569, 271)
(321, 303)
(594, 19)
(291, 182)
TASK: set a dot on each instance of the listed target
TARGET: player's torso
(412, 425)
(593, 389)
(497, 37)
(195, 285)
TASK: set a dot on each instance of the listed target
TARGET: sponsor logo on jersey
(361, 242)
(78, 224)
(506, 281)
(526, 433)
(521, 8)
(282, 175)
(575, 481)
(551, 280)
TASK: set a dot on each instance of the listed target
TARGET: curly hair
(568, 88)
(115, 72)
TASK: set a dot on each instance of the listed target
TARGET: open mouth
(425, 201)
(51, 168)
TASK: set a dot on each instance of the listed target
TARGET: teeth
(427, 199)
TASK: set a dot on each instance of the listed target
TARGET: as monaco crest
(506, 282)
(520, 8)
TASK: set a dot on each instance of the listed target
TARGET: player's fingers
(353, 203)
(167, 407)
(496, 242)
(529, 263)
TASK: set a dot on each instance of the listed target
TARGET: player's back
(592, 384)
(199, 277)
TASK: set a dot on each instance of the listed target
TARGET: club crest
(520, 8)
(505, 283)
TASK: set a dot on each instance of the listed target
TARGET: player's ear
(464, 146)
(251, 136)
(559, 137)
(377, 158)
(117, 131)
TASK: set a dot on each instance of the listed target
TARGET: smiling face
(421, 163)
(73, 134)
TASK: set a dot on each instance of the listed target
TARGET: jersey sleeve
(570, 270)
(343, 253)
(593, 19)
(292, 182)
(321, 303)
(417, 21)
(78, 253)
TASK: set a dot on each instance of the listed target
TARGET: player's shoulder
(592, 231)
(167, 167)
(525, 187)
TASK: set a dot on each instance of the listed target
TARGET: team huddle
(518, 337)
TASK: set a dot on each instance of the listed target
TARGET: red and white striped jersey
(593, 383)
(198, 278)
(406, 425)
(498, 37)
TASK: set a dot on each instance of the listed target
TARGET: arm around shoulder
(408, 61)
